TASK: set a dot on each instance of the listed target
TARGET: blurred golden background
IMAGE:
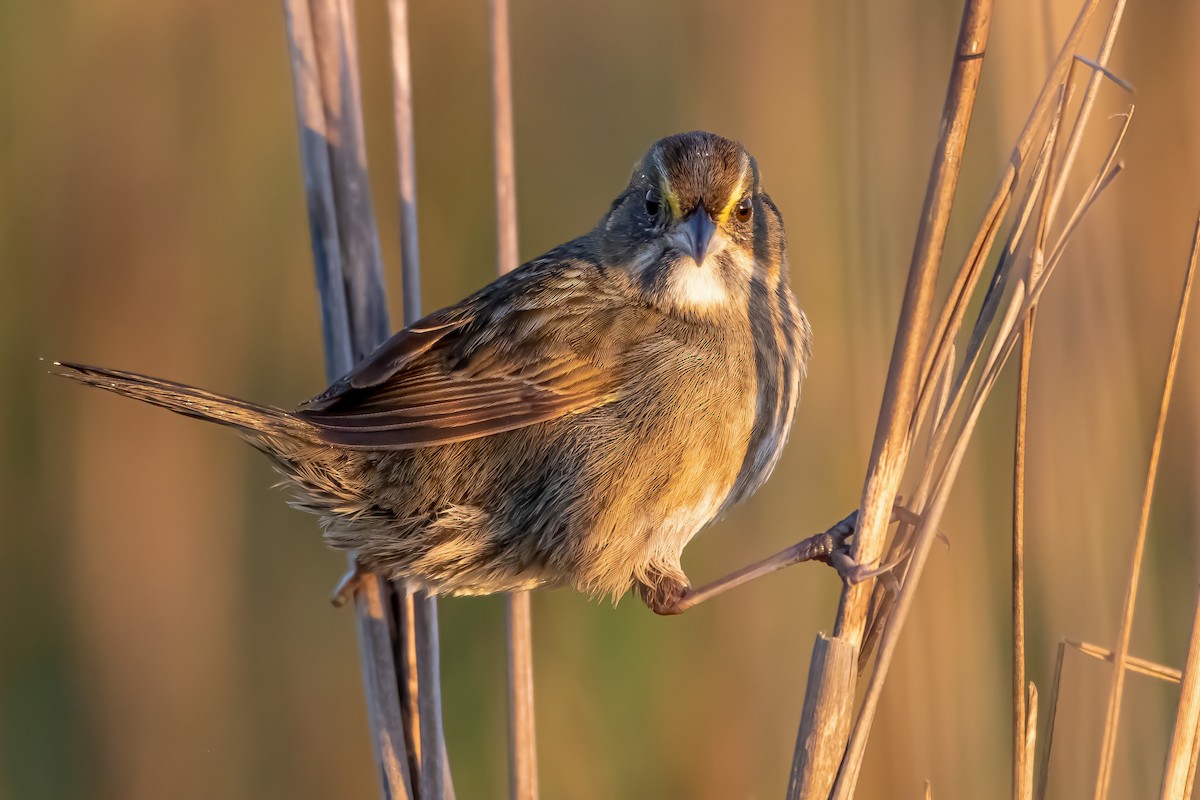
(165, 628)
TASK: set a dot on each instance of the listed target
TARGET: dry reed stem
(1099, 66)
(1024, 788)
(1187, 720)
(522, 731)
(1020, 722)
(1048, 742)
(406, 158)
(936, 486)
(1142, 666)
(1179, 771)
(963, 286)
(406, 180)
(417, 628)
(892, 439)
(1121, 651)
(349, 277)
(812, 761)
(432, 781)
(940, 353)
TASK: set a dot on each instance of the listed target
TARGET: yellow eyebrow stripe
(735, 197)
(671, 198)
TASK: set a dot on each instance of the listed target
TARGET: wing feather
(487, 365)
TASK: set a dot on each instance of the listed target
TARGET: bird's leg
(672, 597)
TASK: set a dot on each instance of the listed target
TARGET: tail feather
(189, 401)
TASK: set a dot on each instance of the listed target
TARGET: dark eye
(744, 209)
(653, 204)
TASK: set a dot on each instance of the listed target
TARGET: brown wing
(514, 355)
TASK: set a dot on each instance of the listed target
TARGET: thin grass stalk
(1179, 772)
(1089, 100)
(1020, 723)
(433, 780)
(410, 273)
(935, 484)
(997, 206)
(890, 449)
(938, 488)
(1142, 666)
(1187, 722)
(892, 438)
(354, 315)
(417, 630)
(1121, 651)
(522, 732)
(939, 355)
(1048, 741)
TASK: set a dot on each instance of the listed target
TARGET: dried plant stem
(1048, 741)
(354, 315)
(522, 731)
(1187, 722)
(406, 158)
(1141, 666)
(1024, 789)
(418, 621)
(1121, 651)
(1185, 737)
(1020, 723)
(1089, 99)
(892, 438)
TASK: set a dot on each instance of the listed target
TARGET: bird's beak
(698, 230)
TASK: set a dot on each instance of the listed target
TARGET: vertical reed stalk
(1185, 737)
(349, 277)
(1121, 651)
(418, 629)
(522, 732)
(892, 439)
(1020, 722)
(1187, 722)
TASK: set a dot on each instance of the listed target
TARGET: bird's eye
(744, 209)
(653, 204)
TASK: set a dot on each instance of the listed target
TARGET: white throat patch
(698, 287)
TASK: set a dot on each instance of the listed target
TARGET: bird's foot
(832, 547)
(666, 596)
(348, 585)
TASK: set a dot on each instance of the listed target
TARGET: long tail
(248, 418)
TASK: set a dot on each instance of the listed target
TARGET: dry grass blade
(1020, 722)
(354, 316)
(522, 731)
(1121, 651)
(1187, 719)
(1142, 666)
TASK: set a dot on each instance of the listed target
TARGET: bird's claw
(349, 584)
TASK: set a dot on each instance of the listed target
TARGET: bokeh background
(165, 629)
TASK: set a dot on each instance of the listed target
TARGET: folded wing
(512, 356)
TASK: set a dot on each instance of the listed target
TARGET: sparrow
(575, 422)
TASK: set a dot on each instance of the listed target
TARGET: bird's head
(694, 225)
